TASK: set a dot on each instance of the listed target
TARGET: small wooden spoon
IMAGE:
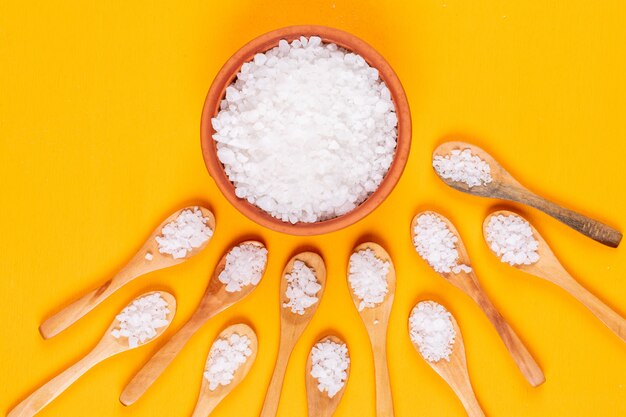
(215, 300)
(208, 400)
(292, 326)
(468, 283)
(376, 320)
(549, 268)
(505, 187)
(319, 403)
(454, 372)
(136, 267)
(107, 347)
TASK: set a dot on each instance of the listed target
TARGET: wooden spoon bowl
(264, 43)
(319, 403)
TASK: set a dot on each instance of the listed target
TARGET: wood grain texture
(376, 320)
(291, 328)
(549, 268)
(136, 267)
(468, 283)
(319, 404)
(215, 300)
(107, 347)
(505, 187)
(208, 400)
(455, 373)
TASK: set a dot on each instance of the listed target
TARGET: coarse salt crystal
(245, 265)
(139, 321)
(431, 328)
(302, 288)
(225, 358)
(463, 166)
(368, 278)
(149, 256)
(511, 239)
(186, 232)
(329, 366)
(436, 244)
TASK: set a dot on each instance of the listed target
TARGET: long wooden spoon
(376, 320)
(505, 187)
(208, 400)
(468, 283)
(549, 268)
(215, 300)
(319, 403)
(137, 266)
(107, 347)
(292, 326)
(455, 373)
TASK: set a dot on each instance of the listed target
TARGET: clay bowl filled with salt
(285, 160)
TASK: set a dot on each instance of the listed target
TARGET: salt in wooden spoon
(208, 400)
(139, 265)
(505, 187)
(319, 403)
(376, 320)
(468, 283)
(549, 268)
(215, 300)
(107, 347)
(292, 326)
(455, 373)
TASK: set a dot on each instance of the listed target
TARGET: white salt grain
(186, 232)
(149, 256)
(329, 366)
(244, 266)
(225, 358)
(431, 329)
(307, 131)
(462, 166)
(139, 321)
(511, 239)
(368, 278)
(302, 288)
(436, 244)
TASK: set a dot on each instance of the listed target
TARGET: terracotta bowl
(262, 44)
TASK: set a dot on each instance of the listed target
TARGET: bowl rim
(267, 41)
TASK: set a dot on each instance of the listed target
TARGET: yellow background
(99, 136)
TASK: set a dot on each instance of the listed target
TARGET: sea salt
(368, 278)
(139, 321)
(302, 288)
(511, 239)
(149, 256)
(245, 265)
(431, 329)
(329, 366)
(186, 232)
(307, 131)
(436, 244)
(225, 358)
(462, 166)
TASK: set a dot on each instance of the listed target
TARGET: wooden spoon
(376, 320)
(468, 283)
(292, 326)
(107, 347)
(215, 300)
(319, 403)
(208, 400)
(549, 268)
(454, 372)
(136, 267)
(505, 187)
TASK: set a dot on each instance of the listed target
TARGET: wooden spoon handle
(468, 399)
(522, 357)
(272, 397)
(36, 401)
(159, 361)
(206, 402)
(384, 399)
(594, 229)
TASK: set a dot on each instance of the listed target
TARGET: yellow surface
(99, 137)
